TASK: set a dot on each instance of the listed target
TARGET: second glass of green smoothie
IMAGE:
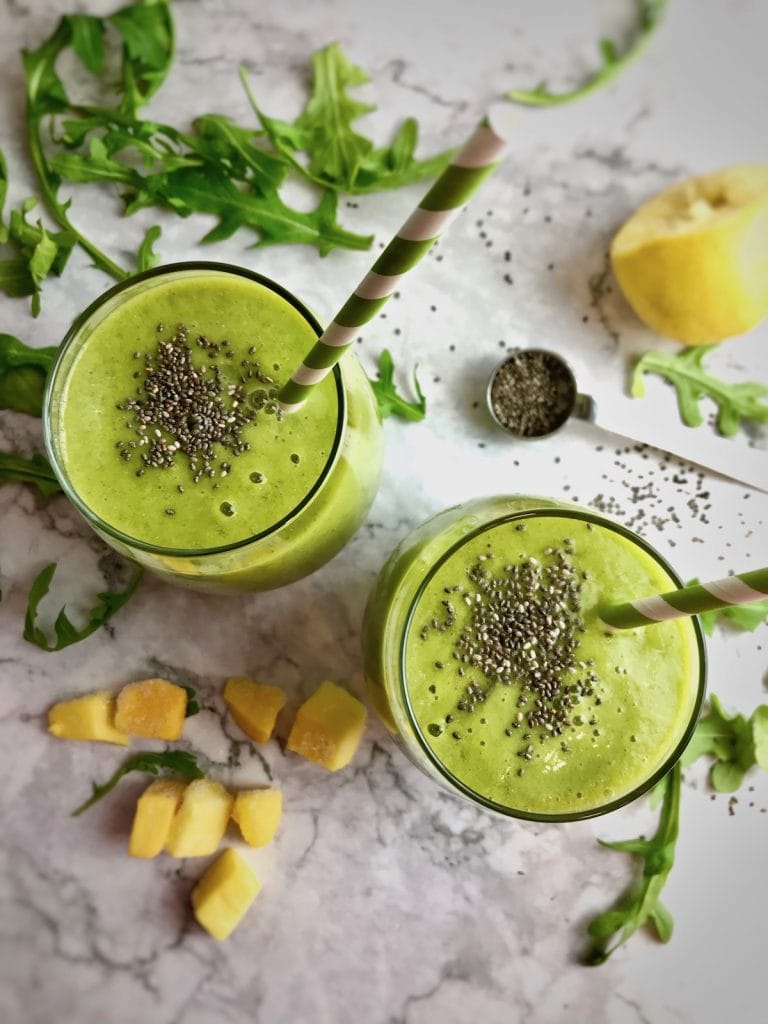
(486, 659)
(162, 426)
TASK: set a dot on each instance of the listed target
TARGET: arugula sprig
(613, 61)
(109, 602)
(735, 742)
(174, 762)
(39, 253)
(692, 383)
(36, 471)
(335, 155)
(146, 32)
(23, 372)
(642, 904)
(390, 402)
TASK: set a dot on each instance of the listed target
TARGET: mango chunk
(224, 893)
(258, 813)
(153, 708)
(155, 809)
(253, 706)
(199, 824)
(91, 717)
(328, 727)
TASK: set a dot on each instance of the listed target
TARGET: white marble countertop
(385, 900)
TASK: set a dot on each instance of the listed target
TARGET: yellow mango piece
(199, 824)
(153, 708)
(91, 717)
(224, 893)
(328, 727)
(258, 813)
(253, 706)
(155, 809)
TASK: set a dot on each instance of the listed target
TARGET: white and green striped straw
(461, 178)
(700, 597)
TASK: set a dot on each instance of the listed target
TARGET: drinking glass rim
(462, 787)
(79, 323)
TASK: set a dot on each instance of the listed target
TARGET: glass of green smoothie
(485, 658)
(162, 426)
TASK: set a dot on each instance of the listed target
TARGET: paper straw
(461, 178)
(702, 597)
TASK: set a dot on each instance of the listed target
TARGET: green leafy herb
(337, 156)
(737, 743)
(692, 383)
(66, 634)
(390, 402)
(39, 253)
(147, 257)
(193, 708)
(36, 471)
(642, 904)
(613, 61)
(744, 616)
(23, 372)
(174, 762)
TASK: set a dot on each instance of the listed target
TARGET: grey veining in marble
(385, 900)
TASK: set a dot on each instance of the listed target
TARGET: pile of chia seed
(184, 410)
(523, 629)
(532, 393)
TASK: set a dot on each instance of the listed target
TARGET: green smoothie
(503, 681)
(163, 424)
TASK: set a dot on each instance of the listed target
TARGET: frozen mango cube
(253, 706)
(258, 813)
(153, 708)
(328, 727)
(224, 893)
(91, 717)
(155, 810)
(201, 820)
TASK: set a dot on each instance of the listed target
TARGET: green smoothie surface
(518, 690)
(242, 340)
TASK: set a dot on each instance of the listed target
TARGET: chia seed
(532, 393)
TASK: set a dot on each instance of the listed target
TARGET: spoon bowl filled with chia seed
(532, 394)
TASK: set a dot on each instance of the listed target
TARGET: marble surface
(385, 900)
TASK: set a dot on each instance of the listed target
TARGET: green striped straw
(701, 597)
(467, 171)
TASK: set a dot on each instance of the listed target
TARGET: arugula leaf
(193, 707)
(66, 634)
(87, 33)
(175, 762)
(39, 253)
(692, 383)
(23, 373)
(613, 62)
(147, 257)
(735, 742)
(222, 141)
(337, 157)
(642, 904)
(744, 616)
(36, 471)
(147, 31)
(390, 402)
(192, 190)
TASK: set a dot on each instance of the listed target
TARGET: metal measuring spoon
(532, 394)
